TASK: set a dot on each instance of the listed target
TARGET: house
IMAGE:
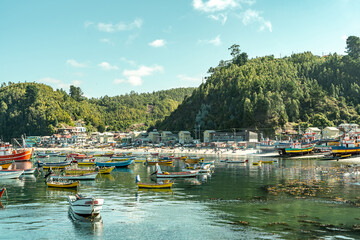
(330, 133)
(185, 137)
(208, 135)
(154, 136)
(347, 127)
(168, 137)
(312, 133)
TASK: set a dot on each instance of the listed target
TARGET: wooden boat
(122, 158)
(186, 174)
(257, 163)
(105, 170)
(269, 161)
(8, 154)
(194, 160)
(347, 146)
(2, 192)
(82, 156)
(7, 174)
(85, 206)
(53, 165)
(234, 161)
(114, 164)
(180, 158)
(162, 185)
(86, 162)
(160, 162)
(107, 154)
(85, 176)
(62, 184)
(42, 156)
(6, 164)
(297, 149)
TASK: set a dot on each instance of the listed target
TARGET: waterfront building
(330, 133)
(154, 136)
(312, 133)
(185, 137)
(208, 135)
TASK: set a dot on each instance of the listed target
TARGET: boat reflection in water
(22, 165)
(86, 225)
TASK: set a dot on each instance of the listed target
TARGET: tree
(76, 93)
(353, 46)
(239, 58)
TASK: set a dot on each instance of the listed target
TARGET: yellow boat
(272, 161)
(140, 160)
(77, 171)
(257, 163)
(155, 185)
(55, 167)
(164, 162)
(62, 184)
(6, 165)
(86, 163)
(194, 160)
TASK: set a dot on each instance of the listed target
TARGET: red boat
(82, 156)
(23, 154)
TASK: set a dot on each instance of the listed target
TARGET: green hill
(36, 109)
(265, 93)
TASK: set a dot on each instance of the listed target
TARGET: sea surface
(288, 199)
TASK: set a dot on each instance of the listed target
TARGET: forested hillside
(37, 109)
(265, 93)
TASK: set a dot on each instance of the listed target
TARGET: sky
(113, 47)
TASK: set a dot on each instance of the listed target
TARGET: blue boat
(114, 164)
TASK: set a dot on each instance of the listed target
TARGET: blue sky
(112, 47)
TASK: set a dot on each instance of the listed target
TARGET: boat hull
(155, 185)
(114, 164)
(339, 150)
(23, 155)
(85, 206)
(63, 185)
(10, 174)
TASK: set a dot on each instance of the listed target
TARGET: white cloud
(56, 83)
(183, 77)
(130, 62)
(216, 41)
(158, 43)
(74, 63)
(107, 66)
(214, 5)
(134, 77)
(109, 27)
(222, 17)
(251, 16)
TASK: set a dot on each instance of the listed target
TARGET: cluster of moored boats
(71, 168)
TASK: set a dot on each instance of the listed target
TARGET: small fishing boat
(121, 158)
(107, 154)
(257, 163)
(186, 174)
(193, 160)
(57, 184)
(85, 176)
(86, 162)
(104, 170)
(85, 206)
(82, 156)
(268, 161)
(114, 164)
(160, 185)
(7, 174)
(6, 164)
(234, 161)
(2, 192)
(42, 156)
(53, 165)
(160, 162)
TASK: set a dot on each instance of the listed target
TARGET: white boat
(29, 171)
(186, 174)
(5, 174)
(86, 176)
(85, 206)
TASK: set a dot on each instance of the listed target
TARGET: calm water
(232, 203)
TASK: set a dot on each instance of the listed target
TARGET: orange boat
(7, 154)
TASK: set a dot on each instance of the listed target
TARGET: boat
(122, 158)
(57, 184)
(180, 158)
(193, 160)
(82, 156)
(6, 164)
(347, 146)
(160, 162)
(53, 165)
(104, 170)
(85, 176)
(160, 185)
(48, 153)
(42, 156)
(85, 206)
(297, 149)
(7, 174)
(183, 174)
(7, 153)
(86, 162)
(2, 192)
(234, 161)
(114, 164)
(268, 161)
(257, 163)
(107, 154)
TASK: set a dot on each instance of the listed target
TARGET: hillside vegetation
(36, 109)
(265, 93)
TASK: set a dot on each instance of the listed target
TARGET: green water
(232, 203)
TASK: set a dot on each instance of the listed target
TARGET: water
(232, 203)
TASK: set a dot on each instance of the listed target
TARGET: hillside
(37, 109)
(265, 93)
